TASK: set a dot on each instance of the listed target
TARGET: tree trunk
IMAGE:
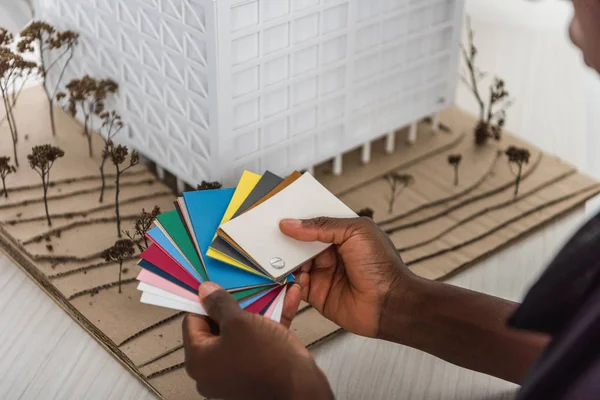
(518, 181)
(456, 176)
(11, 125)
(88, 134)
(120, 272)
(45, 185)
(392, 198)
(117, 203)
(103, 179)
(52, 122)
(4, 187)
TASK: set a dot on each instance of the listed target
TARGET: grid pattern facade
(313, 78)
(210, 88)
(157, 51)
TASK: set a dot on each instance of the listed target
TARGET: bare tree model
(41, 160)
(122, 250)
(6, 169)
(454, 160)
(47, 39)
(141, 226)
(119, 155)
(13, 69)
(492, 116)
(517, 156)
(209, 185)
(87, 95)
(16, 85)
(111, 126)
(397, 183)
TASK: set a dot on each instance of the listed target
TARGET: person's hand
(236, 354)
(350, 281)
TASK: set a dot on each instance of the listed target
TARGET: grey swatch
(268, 182)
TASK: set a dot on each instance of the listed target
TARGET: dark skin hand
(362, 284)
(239, 355)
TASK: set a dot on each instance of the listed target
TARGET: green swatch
(175, 228)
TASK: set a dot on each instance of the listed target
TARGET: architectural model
(207, 88)
(210, 88)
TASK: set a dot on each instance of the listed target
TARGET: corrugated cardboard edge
(520, 236)
(12, 250)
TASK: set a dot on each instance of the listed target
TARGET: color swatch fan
(231, 237)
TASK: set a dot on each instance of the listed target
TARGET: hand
(350, 281)
(251, 357)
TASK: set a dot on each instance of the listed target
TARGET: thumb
(219, 304)
(322, 229)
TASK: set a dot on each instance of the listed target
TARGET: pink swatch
(161, 283)
(155, 256)
(168, 286)
(273, 305)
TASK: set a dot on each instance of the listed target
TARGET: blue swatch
(163, 241)
(206, 209)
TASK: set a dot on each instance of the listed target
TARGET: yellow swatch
(245, 186)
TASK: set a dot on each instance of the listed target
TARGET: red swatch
(264, 301)
(155, 256)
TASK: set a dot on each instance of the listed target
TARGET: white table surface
(45, 354)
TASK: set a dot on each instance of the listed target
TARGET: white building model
(209, 88)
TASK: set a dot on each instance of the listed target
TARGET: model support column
(365, 156)
(412, 133)
(435, 122)
(160, 173)
(390, 142)
(337, 165)
(180, 186)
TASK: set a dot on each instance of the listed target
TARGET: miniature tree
(454, 160)
(87, 95)
(209, 185)
(6, 169)
(517, 156)
(41, 160)
(366, 212)
(122, 250)
(47, 39)
(492, 116)
(16, 85)
(13, 68)
(397, 183)
(111, 126)
(118, 155)
(141, 226)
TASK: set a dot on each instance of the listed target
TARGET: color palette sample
(231, 237)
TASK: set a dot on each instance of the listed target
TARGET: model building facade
(209, 88)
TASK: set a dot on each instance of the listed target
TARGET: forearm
(460, 326)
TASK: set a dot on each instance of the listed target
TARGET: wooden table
(47, 355)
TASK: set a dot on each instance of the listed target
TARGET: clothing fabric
(565, 304)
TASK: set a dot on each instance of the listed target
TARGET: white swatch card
(257, 231)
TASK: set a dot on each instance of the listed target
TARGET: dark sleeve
(565, 285)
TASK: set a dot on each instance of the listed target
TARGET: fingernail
(206, 289)
(291, 222)
(301, 278)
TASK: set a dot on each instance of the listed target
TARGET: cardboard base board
(438, 227)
